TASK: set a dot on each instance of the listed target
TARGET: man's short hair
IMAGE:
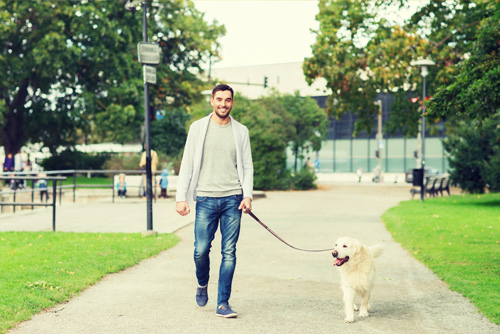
(222, 87)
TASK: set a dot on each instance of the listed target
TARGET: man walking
(216, 172)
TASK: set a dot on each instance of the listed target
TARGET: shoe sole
(232, 315)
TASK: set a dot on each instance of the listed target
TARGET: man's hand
(182, 208)
(245, 205)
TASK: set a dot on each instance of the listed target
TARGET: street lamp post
(423, 64)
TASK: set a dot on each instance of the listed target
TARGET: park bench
(444, 184)
(433, 186)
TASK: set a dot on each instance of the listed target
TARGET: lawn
(458, 238)
(84, 180)
(42, 269)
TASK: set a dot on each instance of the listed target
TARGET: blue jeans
(209, 212)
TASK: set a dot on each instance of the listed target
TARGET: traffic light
(415, 154)
(377, 153)
(265, 82)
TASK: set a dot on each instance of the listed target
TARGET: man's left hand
(245, 205)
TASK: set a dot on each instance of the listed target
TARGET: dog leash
(283, 241)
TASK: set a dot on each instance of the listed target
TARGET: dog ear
(357, 246)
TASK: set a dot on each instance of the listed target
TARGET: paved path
(276, 289)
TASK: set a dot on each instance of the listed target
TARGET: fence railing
(54, 180)
(74, 172)
(59, 176)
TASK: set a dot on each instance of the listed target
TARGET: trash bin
(418, 177)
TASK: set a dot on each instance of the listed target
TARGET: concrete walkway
(276, 289)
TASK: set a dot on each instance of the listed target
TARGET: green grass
(458, 238)
(41, 269)
(107, 181)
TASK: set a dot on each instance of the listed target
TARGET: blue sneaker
(224, 310)
(201, 296)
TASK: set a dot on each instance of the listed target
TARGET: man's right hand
(182, 208)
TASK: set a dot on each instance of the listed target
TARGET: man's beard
(223, 116)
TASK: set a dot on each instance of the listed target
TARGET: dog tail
(376, 250)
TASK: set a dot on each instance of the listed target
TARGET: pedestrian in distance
(164, 183)
(8, 166)
(142, 165)
(217, 173)
(121, 186)
(41, 185)
(360, 173)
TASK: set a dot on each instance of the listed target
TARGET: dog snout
(335, 253)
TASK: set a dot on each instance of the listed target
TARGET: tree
(168, 135)
(361, 53)
(310, 123)
(270, 128)
(475, 92)
(65, 62)
(474, 154)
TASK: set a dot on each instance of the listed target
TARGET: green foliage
(310, 123)
(269, 135)
(123, 162)
(118, 124)
(70, 68)
(304, 179)
(361, 54)
(473, 155)
(458, 238)
(475, 92)
(70, 159)
(42, 269)
(168, 134)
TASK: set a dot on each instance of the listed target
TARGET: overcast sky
(262, 32)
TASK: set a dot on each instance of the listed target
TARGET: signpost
(149, 53)
(149, 74)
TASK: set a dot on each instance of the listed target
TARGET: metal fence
(54, 180)
(59, 176)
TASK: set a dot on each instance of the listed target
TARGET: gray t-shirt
(218, 175)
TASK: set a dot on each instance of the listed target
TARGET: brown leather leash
(283, 241)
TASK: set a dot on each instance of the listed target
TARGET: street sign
(149, 74)
(149, 53)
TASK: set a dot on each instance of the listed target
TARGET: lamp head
(424, 65)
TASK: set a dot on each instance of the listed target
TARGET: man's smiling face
(222, 101)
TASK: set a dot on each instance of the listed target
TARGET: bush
(123, 162)
(281, 180)
(474, 155)
(304, 179)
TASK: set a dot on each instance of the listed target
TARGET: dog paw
(356, 308)
(349, 320)
(363, 314)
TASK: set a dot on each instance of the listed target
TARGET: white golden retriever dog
(357, 270)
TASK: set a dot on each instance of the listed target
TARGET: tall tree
(64, 62)
(310, 123)
(361, 53)
(475, 92)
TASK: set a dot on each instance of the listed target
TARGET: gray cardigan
(193, 151)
